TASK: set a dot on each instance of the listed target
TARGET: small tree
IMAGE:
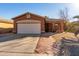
(77, 16)
(64, 15)
(77, 24)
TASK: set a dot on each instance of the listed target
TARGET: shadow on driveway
(12, 36)
(47, 34)
(15, 36)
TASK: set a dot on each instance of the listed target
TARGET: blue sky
(10, 10)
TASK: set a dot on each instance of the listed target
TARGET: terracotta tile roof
(28, 13)
(54, 20)
(47, 18)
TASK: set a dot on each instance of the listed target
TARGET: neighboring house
(5, 26)
(30, 23)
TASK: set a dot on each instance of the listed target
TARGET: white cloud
(74, 19)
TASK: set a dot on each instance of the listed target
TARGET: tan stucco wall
(33, 17)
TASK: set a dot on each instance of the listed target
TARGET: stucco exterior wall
(32, 17)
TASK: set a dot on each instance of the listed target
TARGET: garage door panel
(36, 28)
(29, 28)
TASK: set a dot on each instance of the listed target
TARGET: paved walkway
(45, 44)
(20, 44)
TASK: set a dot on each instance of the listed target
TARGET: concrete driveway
(13, 43)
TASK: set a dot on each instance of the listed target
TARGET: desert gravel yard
(13, 44)
(18, 44)
(46, 43)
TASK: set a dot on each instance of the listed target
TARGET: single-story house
(29, 23)
(5, 25)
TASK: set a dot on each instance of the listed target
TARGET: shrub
(6, 30)
(72, 27)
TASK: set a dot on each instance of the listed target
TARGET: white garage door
(28, 28)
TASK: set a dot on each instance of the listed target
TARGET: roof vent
(28, 15)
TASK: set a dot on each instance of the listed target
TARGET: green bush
(72, 27)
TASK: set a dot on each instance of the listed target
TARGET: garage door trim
(35, 27)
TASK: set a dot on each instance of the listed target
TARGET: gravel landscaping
(46, 44)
